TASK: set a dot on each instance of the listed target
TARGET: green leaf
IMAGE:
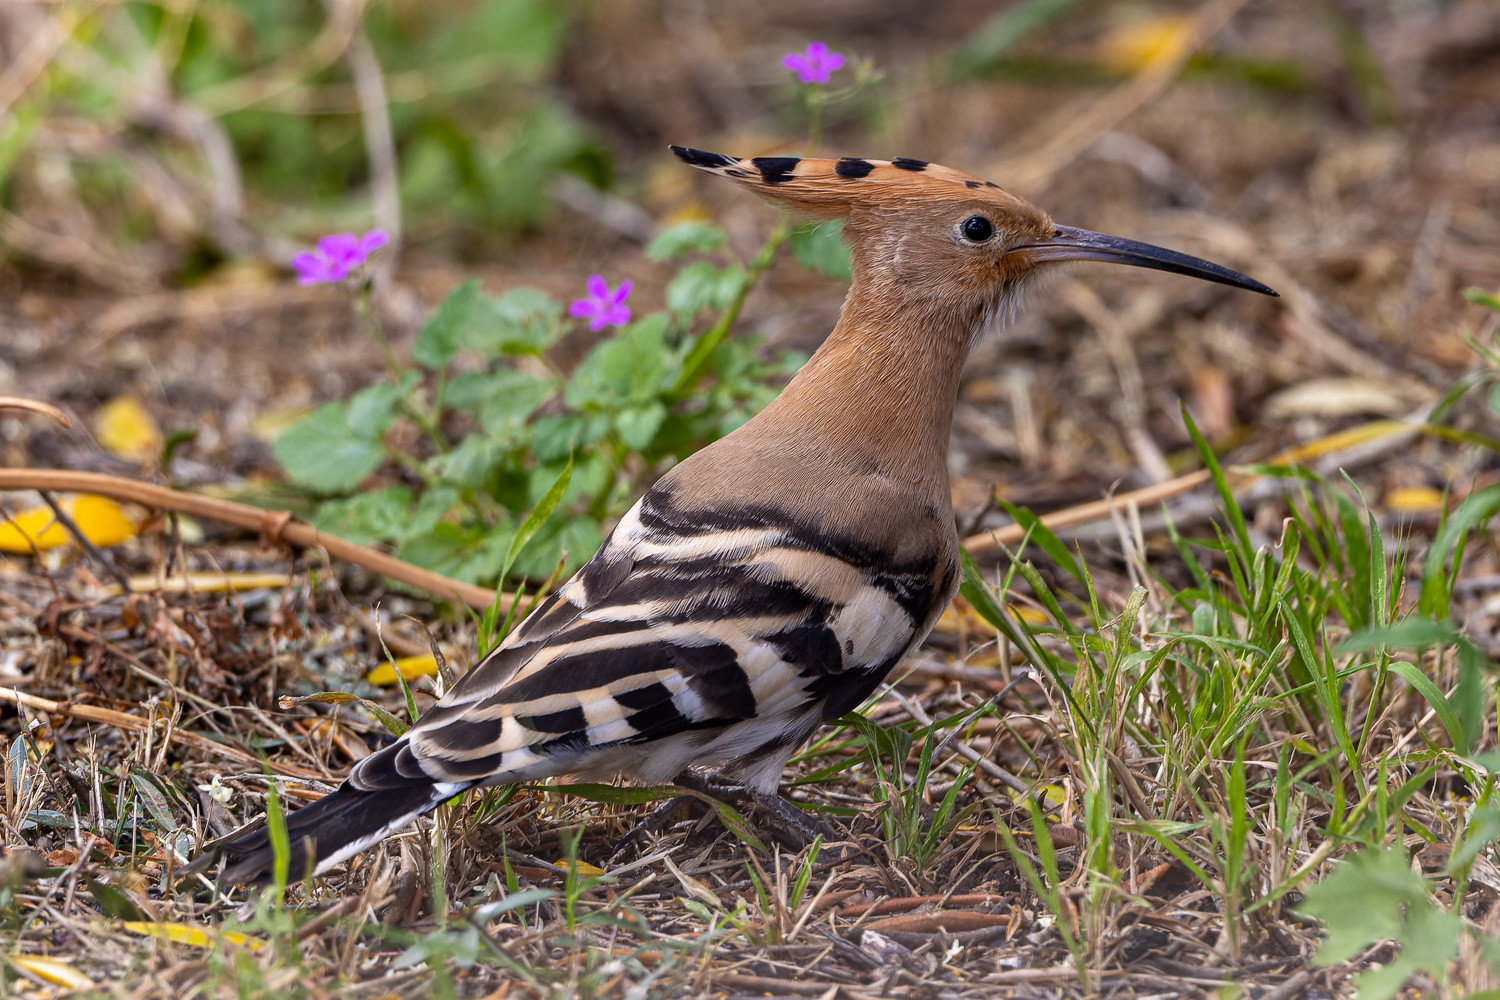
(1001, 33)
(323, 453)
(614, 794)
(112, 901)
(637, 426)
(470, 554)
(675, 241)
(1482, 298)
(632, 367)
(522, 321)
(557, 435)
(441, 335)
(501, 400)
(578, 537)
(701, 285)
(536, 518)
(1461, 713)
(367, 518)
(736, 824)
(1484, 828)
(821, 248)
(514, 183)
(1043, 536)
(372, 410)
(432, 507)
(1475, 511)
(1434, 697)
(1361, 902)
(472, 463)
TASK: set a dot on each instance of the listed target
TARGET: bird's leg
(802, 827)
(654, 822)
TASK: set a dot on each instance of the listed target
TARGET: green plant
(913, 829)
(1268, 695)
(479, 425)
(1375, 896)
(193, 112)
(454, 498)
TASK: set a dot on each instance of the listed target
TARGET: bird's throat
(881, 388)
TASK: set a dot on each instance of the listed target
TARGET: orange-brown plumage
(771, 581)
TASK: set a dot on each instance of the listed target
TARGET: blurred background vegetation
(161, 162)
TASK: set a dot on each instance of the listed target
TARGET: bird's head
(929, 232)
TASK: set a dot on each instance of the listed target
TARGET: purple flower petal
(372, 241)
(597, 287)
(814, 65)
(583, 308)
(620, 294)
(339, 247)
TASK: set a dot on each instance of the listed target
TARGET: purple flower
(336, 256)
(603, 307)
(815, 65)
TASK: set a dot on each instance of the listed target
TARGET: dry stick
(1062, 139)
(34, 59)
(1336, 450)
(136, 724)
(1010, 534)
(290, 70)
(277, 525)
(71, 526)
(18, 403)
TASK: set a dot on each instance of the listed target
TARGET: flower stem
(362, 307)
(424, 423)
(816, 98)
(697, 359)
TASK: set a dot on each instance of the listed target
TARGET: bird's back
(730, 613)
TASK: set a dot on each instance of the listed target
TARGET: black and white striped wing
(688, 640)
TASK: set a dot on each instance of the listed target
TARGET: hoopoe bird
(769, 583)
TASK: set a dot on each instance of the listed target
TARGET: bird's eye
(977, 229)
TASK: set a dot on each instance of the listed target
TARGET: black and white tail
(343, 823)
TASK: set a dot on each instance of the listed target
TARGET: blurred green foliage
(501, 424)
(479, 133)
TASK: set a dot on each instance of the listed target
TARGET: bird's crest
(829, 188)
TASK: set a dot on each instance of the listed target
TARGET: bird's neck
(879, 392)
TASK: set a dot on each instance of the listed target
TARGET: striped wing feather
(688, 640)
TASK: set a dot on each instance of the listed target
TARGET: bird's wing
(680, 626)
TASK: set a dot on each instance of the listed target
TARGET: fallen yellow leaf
(35, 525)
(1414, 499)
(1052, 795)
(583, 868)
(126, 429)
(101, 520)
(189, 934)
(1133, 46)
(54, 971)
(411, 668)
(1028, 614)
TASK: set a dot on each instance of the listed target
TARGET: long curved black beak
(1068, 243)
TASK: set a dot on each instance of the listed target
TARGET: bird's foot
(796, 827)
(654, 823)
